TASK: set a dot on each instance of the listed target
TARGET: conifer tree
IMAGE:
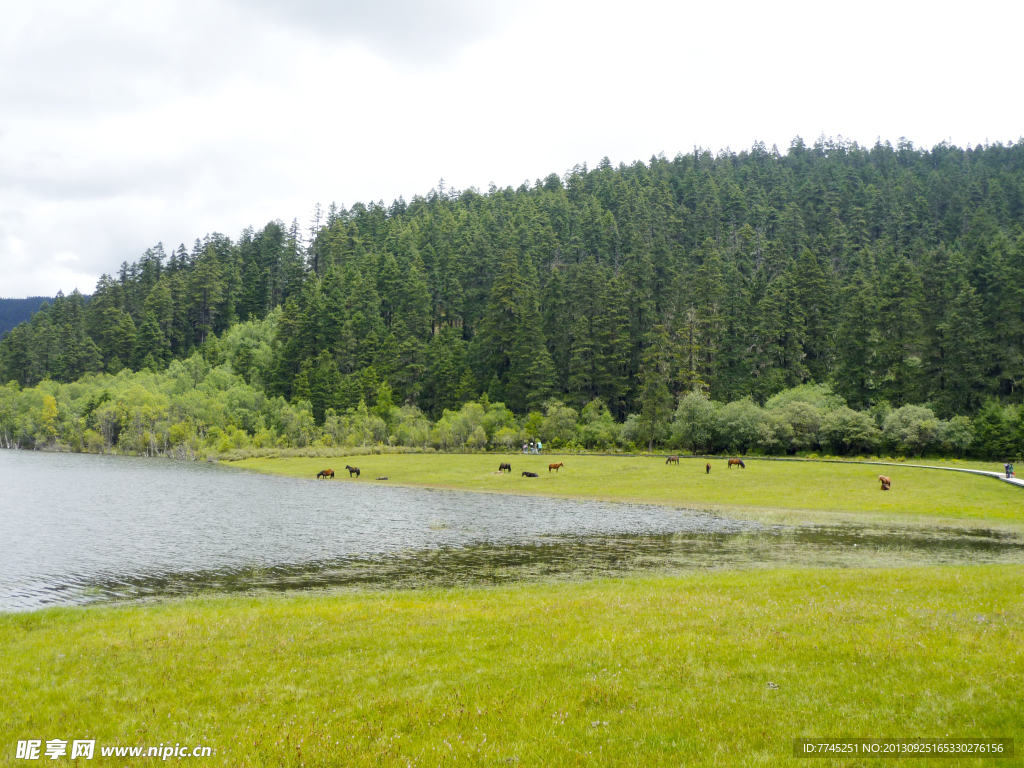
(207, 290)
(656, 402)
(962, 376)
(899, 324)
(856, 340)
(151, 348)
(325, 385)
(812, 295)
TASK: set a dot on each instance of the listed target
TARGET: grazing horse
(672, 460)
(503, 466)
(737, 463)
(555, 467)
(352, 470)
(885, 481)
(530, 474)
(325, 473)
(707, 468)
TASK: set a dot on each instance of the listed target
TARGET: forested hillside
(891, 273)
(16, 311)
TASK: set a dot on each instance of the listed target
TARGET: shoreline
(806, 537)
(471, 473)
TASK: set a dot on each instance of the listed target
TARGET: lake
(80, 528)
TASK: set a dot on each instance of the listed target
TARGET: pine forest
(831, 297)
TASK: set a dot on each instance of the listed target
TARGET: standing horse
(672, 460)
(885, 481)
(325, 473)
(737, 463)
(352, 470)
(707, 468)
(504, 466)
(555, 467)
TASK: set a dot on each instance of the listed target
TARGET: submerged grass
(718, 668)
(823, 492)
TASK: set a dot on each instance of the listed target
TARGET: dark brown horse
(504, 466)
(672, 460)
(530, 474)
(885, 481)
(737, 463)
(325, 473)
(352, 470)
(555, 467)
(707, 468)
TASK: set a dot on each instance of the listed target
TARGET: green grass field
(774, 489)
(709, 669)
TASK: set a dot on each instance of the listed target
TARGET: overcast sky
(127, 122)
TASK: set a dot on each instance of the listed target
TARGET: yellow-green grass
(633, 672)
(800, 490)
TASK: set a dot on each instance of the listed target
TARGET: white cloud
(125, 123)
(410, 31)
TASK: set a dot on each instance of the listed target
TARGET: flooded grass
(782, 491)
(126, 529)
(574, 558)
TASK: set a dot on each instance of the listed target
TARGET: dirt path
(997, 475)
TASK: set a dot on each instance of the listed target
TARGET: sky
(128, 122)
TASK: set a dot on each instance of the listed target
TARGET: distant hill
(14, 311)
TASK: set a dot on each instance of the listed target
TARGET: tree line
(198, 407)
(892, 274)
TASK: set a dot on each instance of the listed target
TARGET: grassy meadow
(782, 490)
(713, 667)
(720, 668)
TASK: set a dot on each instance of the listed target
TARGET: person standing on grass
(1006, 467)
(540, 446)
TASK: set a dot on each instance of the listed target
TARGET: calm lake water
(77, 529)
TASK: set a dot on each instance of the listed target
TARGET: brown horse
(885, 481)
(555, 467)
(672, 460)
(737, 463)
(352, 470)
(504, 466)
(707, 468)
(325, 473)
